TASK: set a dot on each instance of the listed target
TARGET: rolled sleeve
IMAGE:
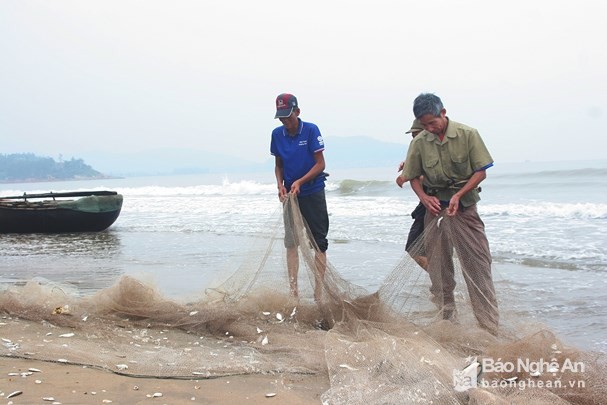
(480, 158)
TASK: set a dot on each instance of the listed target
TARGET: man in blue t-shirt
(298, 149)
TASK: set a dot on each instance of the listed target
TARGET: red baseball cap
(285, 104)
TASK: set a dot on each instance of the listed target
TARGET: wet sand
(74, 384)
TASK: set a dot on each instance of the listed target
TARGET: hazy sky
(102, 75)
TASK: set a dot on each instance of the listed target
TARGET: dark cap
(415, 127)
(285, 104)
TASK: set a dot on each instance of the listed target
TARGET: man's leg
(314, 212)
(440, 263)
(291, 244)
(293, 269)
(415, 241)
(422, 261)
(473, 252)
(320, 261)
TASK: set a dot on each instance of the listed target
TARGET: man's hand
(432, 204)
(295, 187)
(282, 193)
(400, 180)
(453, 205)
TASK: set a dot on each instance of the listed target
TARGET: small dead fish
(157, 394)
(265, 340)
(122, 366)
(279, 317)
(293, 312)
(438, 222)
(424, 360)
(266, 313)
(348, 367)
(66, 335)
(48, 399)
(270, 394)
(14, 394)
(259, 330)
(193, 313)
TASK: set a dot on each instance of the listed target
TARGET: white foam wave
(546, 210)
(227, 188)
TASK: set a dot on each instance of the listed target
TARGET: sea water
(546, 224)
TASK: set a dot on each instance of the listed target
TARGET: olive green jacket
(447, 165)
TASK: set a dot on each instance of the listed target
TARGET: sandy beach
(72, 384)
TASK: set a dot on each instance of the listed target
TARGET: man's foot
(450, 314)
(322, 324)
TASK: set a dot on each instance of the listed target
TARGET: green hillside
(25, 167)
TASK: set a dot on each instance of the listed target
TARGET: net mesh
(420, 338)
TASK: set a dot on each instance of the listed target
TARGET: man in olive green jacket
(452, 160)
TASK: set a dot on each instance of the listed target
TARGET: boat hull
(88, 214)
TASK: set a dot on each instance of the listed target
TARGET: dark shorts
(313, 209)
(417, 229)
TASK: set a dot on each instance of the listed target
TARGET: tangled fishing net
(400, 344)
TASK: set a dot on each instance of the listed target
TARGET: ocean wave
(578, 173)
(547, 210)
(366, 187)
(244, 187)
(225, 189)
(550, 262)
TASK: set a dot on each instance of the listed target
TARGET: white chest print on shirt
(303, 143)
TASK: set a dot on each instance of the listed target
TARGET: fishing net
(427, 335)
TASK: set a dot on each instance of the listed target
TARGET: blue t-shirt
(297, 154)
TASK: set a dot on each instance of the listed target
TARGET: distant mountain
(25, 167)
(341, 153)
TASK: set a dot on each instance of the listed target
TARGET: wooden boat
(78, 211)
